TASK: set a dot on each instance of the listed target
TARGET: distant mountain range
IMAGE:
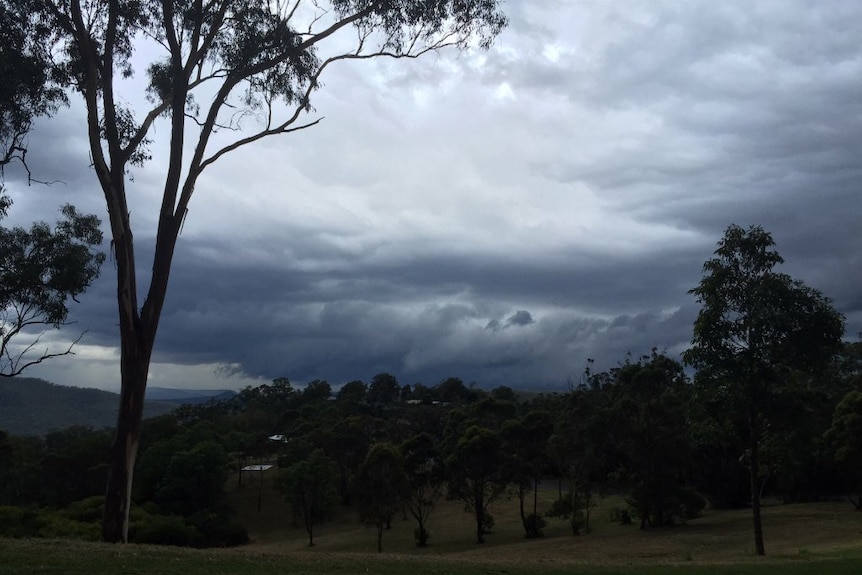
(31, 406)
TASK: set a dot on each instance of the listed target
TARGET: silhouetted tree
(41, 269)
(352, 393)
(424, 468)
(309, 487)
(650, 407)
(756, 331)
(27, 90)
(384, 389)
(845, 437)
(476, 471)
(380, 487)
(525, 442)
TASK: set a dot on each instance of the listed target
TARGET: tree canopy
(28, 89)
(41, 269)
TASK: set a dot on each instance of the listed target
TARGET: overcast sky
(497, 216)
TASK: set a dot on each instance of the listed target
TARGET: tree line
(642, 429)
(773, 409)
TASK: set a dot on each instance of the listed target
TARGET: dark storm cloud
(422, 321)
(520, 317)
(502, 217)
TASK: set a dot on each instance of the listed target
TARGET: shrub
(571, 509)
(165, 530)
(621, 516)
(693, 503)
(89, 510)
(219, 530)
(488, 522)
(560, 508)
(533, 525)
(56, 526)
(18, 522)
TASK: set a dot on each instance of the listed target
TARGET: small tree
(384, 389)
(193, 480)
(650, 409)
(424, 472)
(381, 486)
(845, 437)
(476, 470)
(525, 442)
(347, 444)
(580, 447)
(309, 487)
(41, 269)
(352, 394)
(758, 333)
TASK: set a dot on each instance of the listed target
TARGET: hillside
(34, 407)
(187, 396)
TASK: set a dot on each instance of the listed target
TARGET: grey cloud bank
(501, 216)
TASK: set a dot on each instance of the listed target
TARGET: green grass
(800, 539)
(716, 537)
(24, 557)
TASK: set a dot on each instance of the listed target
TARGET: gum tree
(381, 486)
(477, 474)
(758, 338)
(219, 62)
(26, 91)
(309, 486)
(41, 269)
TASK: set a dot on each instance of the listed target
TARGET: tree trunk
(478, 506)
(380, 537)
(521, 495)
(574, 502)
(754, 463)
(645, 523)
(138, 326)
(587, 498)
(115, 524)
(260, 485)
(137, 335)
(535, 496)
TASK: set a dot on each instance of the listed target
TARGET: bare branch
(282, 129)
(285, 127)
(11, 366)
(335, 28)
(293, 10)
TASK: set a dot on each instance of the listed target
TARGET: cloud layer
(500, 216)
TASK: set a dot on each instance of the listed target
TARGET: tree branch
(14, 363)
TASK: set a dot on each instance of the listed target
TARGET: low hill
(31, 406)
(187, 396)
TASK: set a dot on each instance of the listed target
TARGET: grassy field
(800, 539)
